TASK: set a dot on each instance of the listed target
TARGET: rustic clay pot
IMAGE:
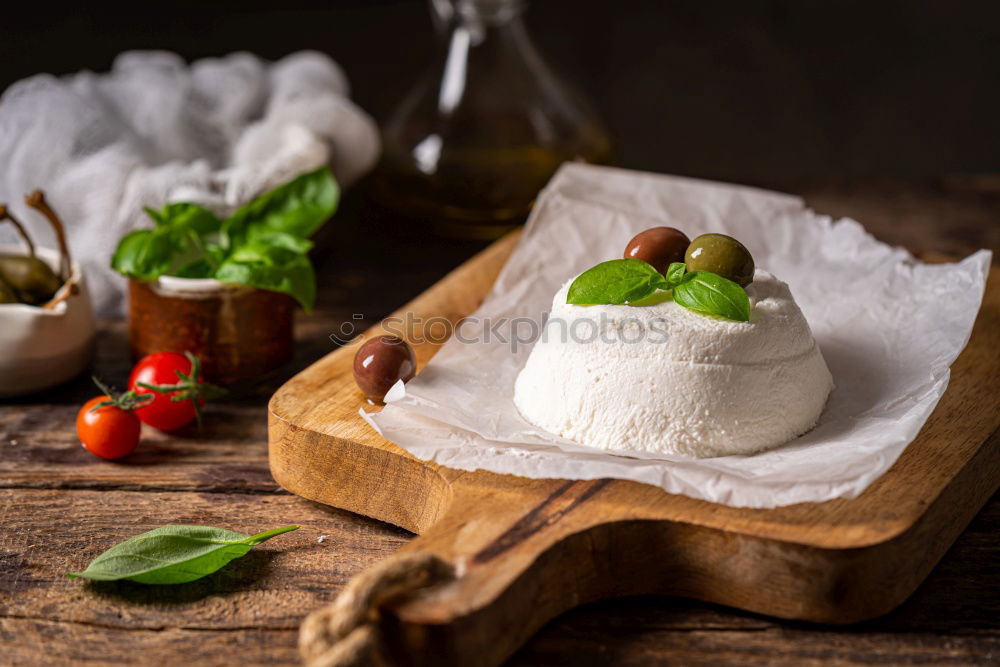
(238, 332)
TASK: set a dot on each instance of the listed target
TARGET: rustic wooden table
(60, 507)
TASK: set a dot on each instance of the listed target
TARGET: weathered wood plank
(951, 619)
(47, 533)
(45, 642)
(771, 646)
(252, 608)
(40, 450)
(39, 447)
(34, 641)
(951, 216)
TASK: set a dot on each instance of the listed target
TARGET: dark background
(773, 93)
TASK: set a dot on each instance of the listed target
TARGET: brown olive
(33, 279)
(723, 255)
(380, 363)
(659, 246)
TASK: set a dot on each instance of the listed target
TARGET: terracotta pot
(238, 332)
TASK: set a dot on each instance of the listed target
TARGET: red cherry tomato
(107, 432)
(161, 369)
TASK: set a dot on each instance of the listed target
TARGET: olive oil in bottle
(467, 152)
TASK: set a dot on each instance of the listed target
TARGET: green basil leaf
(148, 253)
(143, 254)
(200, 268)
(675, 273)
(270, 268)
(191, 216)
(710, 293)
(173, 554)
(178, 241)
(284, 240)
(298, 207)
(616, 281)
(263, 244)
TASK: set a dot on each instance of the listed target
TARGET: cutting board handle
(346, 633)
(473, 588)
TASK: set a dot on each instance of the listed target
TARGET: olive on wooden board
(33, 279)
(722, 255)
(380, 363)
(658, 246)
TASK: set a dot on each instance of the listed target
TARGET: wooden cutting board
(498, 556)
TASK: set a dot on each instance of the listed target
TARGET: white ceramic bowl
(40, 348)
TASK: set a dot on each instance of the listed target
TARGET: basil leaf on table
(712, 294)
(616, 281)
(173, 554)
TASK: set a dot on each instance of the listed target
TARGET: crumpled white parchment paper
(889, 327)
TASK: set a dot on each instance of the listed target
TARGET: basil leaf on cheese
(617, 281)
(711, 294)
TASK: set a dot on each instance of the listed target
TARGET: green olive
(720, 254)
(33, 279)
(7, 293)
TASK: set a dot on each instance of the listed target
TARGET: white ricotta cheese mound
(663, 379)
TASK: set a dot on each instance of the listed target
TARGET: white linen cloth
(154, 130)
(889, 328)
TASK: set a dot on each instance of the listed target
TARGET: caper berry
(723, 255)
(33, 280)
(7, 293)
